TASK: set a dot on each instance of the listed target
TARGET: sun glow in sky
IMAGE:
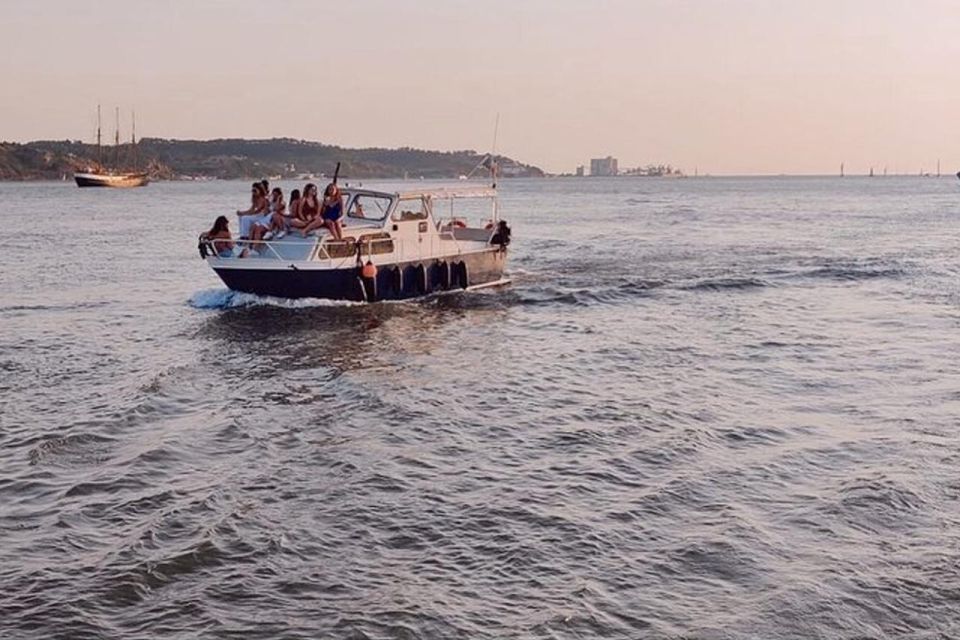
(724, 86)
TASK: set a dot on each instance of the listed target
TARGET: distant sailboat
(100, 177)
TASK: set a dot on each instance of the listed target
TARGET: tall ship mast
(101, 176)
(133, 138)
(99, 147)
(116, 139)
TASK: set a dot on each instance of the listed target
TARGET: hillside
(239, 158)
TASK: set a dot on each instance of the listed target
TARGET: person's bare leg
(316, 223)
(334, 227)
(278, 223)
(257, 236)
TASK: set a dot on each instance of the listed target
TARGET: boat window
(341, 248)
(472, 212)
(412, 209)
(375, 243)
(369, 207)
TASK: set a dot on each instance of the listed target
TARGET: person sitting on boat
(278, 219)
(358, 209)
(219, 237)
(293, 210)
(333, 210)
(308, 209)
(330, 213)
(265, 185)
(259, 226)
(257, 210)
(259, 232)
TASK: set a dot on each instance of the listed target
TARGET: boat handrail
(449, 235)
(318, 250)
(449, 193)
(237, 242)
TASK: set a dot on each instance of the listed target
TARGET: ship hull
(118, 180)
(398, 281)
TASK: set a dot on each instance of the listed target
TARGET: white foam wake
(227, 299)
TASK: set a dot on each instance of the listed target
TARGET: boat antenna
(489, 160)
(493, 159)
(336, 173)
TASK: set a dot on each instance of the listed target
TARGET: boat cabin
(391, 227)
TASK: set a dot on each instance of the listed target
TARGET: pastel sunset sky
(724, 86)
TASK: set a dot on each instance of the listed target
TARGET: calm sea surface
(706, 408)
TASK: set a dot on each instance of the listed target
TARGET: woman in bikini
(308, 209)
(293, 209)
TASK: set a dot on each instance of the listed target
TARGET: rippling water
(708, 408)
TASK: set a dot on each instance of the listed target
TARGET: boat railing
(341, 253)
(246, 243)
(448, 235)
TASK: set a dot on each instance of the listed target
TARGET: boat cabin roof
(442, 193)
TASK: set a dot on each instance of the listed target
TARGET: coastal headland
(232, 158)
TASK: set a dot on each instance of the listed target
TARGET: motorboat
(394, 246)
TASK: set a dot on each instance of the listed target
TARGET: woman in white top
(258, 208)
(277, 227)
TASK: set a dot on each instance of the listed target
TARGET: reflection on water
(343, 337)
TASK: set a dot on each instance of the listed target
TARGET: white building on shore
(604, 166)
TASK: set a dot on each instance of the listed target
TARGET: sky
(714, 86)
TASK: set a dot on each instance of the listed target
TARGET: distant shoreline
(238, 158)
(476, 180)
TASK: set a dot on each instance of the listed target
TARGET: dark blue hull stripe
(395, 282)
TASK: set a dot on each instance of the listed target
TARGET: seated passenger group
(269, 217)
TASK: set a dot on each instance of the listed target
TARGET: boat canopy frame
(427, 197)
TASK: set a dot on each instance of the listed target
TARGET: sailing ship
(99, 176)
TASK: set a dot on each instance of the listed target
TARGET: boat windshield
(369, 207)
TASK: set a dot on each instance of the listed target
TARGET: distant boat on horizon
(100, 177)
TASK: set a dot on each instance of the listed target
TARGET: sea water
(708, 408)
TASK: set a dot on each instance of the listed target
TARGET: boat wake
(227, 299)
